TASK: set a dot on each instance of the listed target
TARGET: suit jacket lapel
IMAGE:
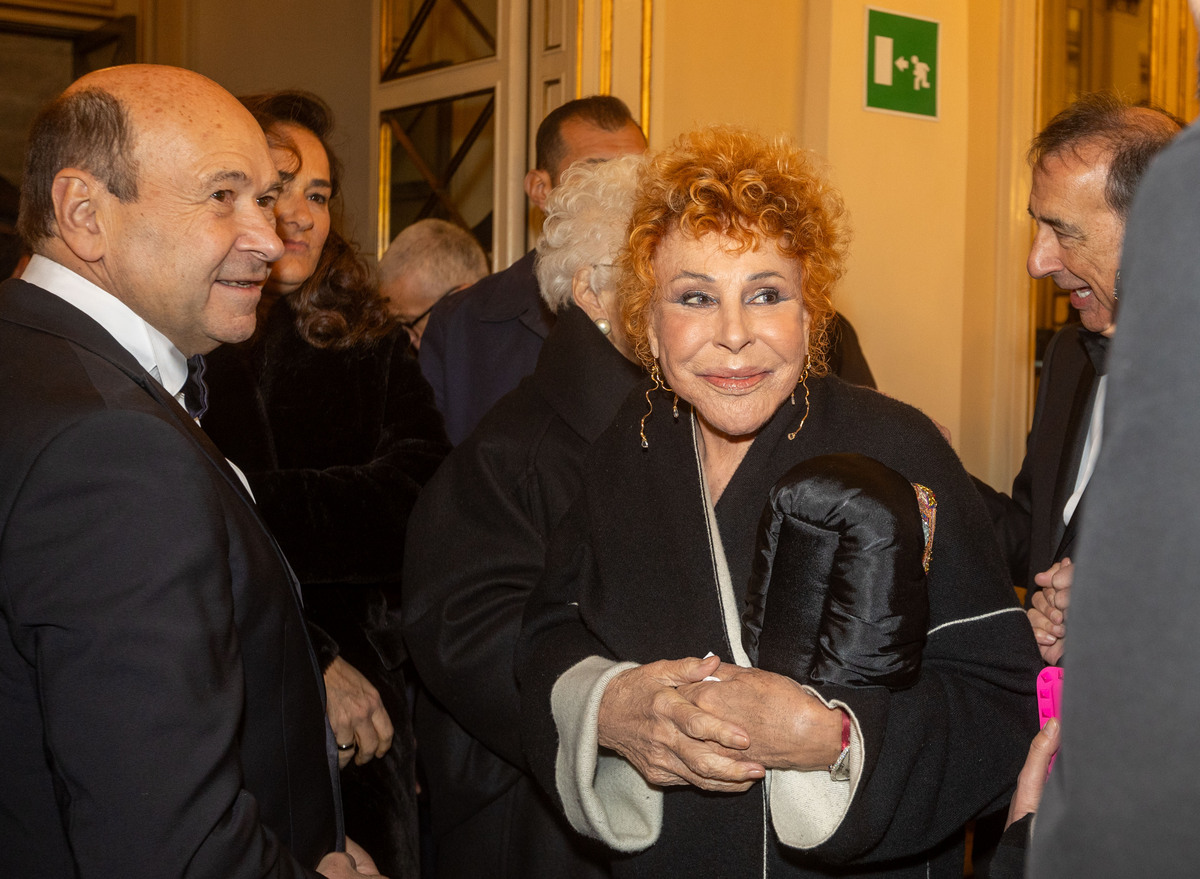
(1073, 441)
(219, 461)
(38, 309)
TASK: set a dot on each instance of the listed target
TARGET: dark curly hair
(1130, 135)
(339, 306)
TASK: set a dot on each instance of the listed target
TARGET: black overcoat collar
(582, 376)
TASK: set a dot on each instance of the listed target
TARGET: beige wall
(926, 199)
(935, 282)
(722, 61)
(253, 45)
(904, 182)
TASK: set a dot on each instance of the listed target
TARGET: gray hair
(587, 216)
(434, 255)
(89, 129)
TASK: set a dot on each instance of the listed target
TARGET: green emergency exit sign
(902, 63)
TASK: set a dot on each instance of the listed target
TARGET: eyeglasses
(412, 324)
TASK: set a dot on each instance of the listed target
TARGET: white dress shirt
(1091, 451)
(154, 351)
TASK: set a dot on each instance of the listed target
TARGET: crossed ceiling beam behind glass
(437, 183)
(419, 19)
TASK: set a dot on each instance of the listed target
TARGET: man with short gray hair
(426, 261)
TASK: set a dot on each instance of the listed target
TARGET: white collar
(154, 351)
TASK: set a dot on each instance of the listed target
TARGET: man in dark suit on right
(1086, 165)
(161, 711)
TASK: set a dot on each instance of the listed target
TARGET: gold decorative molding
(647, 45)
(1173, 45)
(606, 46)
(579, 49)
(385, 36)
(385, 190)
(614, 50)
(84, 6)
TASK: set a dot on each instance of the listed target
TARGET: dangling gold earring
(657, 386)
(804, 384)
(675, 408)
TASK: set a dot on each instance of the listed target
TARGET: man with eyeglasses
(424, 263)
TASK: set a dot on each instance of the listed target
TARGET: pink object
(1049, 696)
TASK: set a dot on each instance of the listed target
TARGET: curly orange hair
(752, 190)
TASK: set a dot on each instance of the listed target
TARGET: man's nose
(1044, 257)
(259, 236)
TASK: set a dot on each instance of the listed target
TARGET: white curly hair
(587, 216)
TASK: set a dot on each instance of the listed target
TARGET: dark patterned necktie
(195, 391)
(1096, 347)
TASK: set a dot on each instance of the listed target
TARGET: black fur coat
(336, 444)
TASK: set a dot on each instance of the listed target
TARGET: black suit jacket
(161, 713)
(1129, 693)
(1029, 524)
(480, 342)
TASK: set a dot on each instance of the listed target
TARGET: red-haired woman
(735, 245)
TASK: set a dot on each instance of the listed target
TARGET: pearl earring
(604, 326)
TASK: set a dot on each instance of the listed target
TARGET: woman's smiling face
(729, 330)
(302, 209)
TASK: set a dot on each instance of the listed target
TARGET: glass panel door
(422, 35)
(438, 163)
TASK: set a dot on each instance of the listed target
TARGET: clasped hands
(676, 728)
(1048, 616)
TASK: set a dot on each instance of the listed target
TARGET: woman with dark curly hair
(735, 246)
(326, 412)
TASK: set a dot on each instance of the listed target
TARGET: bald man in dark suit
(161, 712)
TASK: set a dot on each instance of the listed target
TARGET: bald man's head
(157, 186)
(93, 126)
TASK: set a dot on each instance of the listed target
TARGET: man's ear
(76, 195)
(537, 186)
(585, 297)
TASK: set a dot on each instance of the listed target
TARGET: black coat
(160, 707)
(336, 444)
(630, 577)
(1029, 524)
(475, 549)
(480, 342)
